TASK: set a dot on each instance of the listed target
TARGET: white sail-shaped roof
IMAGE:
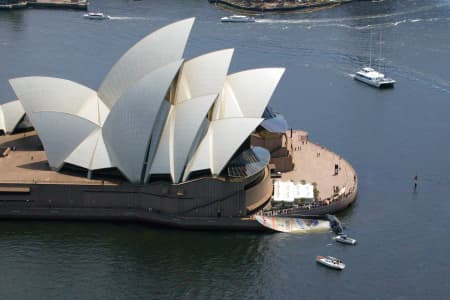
(224, 137)
(101, 158)
(162, 159)
(128, 128)
(153, 113)
(60, 134)
(37, 93)
(179, 134)
(189, 118)
(82, 155)
(10, 115)
(158, 49)
(199, 82)
(203, 75)
(240, 98)
(91, 153)
(2, 120)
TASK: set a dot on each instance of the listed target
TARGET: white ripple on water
(329, 23)
(129, 18)
(356, 18)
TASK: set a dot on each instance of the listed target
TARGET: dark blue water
(388, 135)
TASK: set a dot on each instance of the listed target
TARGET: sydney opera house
(163, 139)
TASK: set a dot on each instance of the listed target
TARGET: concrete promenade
(314, 163)
(28, 164)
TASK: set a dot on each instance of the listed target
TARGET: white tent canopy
(289, 191)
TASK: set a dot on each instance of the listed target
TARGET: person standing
(415, 182)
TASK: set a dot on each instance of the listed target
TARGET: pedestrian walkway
(316, 164)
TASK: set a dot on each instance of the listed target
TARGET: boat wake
(338, 22)
(434, 81)
(309, 23)
(129, 18)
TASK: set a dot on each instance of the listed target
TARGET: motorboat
(331, 262)
(374, 78)
(238, 19)
(96, 16)
(344, 239)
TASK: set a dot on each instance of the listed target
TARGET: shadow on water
(157, 261)
(13, 19)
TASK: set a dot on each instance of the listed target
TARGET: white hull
(237, 19)
(330, 262)
(346, 240)
(294, 225)
(376, 83)
(95, 16)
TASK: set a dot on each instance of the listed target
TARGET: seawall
(71, 4)
(276, 6)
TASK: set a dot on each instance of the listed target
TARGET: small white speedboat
(343, 238)
(238, 19)
(96, 16)
(331, 262)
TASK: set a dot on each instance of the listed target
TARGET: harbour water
(389, 136)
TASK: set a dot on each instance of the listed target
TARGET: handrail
(303, 207)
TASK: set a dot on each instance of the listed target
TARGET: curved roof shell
(241, 98)
(39, 93)
(10, 115)
(91, 153)
(203, 75)
(179, 136)
(128, 128)
(154, 113)
(219, 145)
(158, 49)
(71, 129)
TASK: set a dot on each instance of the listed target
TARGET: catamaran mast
(370, 50)
(379, 55)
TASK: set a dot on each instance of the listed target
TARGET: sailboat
(372, 77)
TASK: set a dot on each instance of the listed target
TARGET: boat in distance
(96, 16)
(238, 19)
(374, 78)
(344, 239)
(331, 262)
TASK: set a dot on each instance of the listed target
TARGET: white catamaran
(372, 77)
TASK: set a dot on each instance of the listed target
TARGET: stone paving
(28, 164)
(314, 163)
